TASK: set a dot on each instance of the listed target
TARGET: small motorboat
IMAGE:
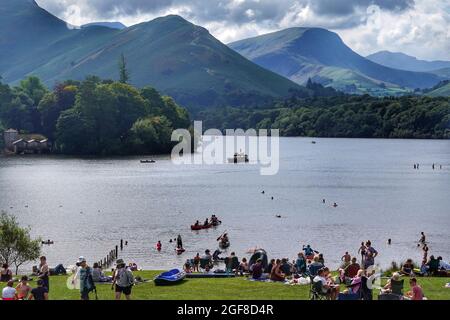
(171, 277)
(239, 158)
(148, 161)
(48, 242)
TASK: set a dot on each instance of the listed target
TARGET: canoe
(201, 226)
(171, 277)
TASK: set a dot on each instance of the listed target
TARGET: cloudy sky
(416, 27)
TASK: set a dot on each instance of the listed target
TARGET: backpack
(90, 285)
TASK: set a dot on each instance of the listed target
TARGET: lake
(87, 205)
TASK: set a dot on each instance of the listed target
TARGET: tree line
(349, 116)
(94, 116)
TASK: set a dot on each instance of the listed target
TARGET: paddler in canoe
(215, 221)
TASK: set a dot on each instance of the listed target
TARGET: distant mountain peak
(107, 24)
(403, 61)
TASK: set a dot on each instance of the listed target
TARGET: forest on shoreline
(93, 117)
(106, 117)
(325, 112)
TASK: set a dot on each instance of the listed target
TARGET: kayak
(170, 277)
(224, 245)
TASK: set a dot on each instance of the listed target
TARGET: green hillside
(302, 53)
(443, 91)
(168, 53)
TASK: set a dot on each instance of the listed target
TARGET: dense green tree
(16, 245)
(124, 74)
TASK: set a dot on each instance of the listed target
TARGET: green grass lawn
(221, 289)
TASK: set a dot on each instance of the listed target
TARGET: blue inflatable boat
(171, 277)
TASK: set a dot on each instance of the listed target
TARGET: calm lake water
(87, 205)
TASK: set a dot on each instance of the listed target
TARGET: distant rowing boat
(201, 226)
(239, 158)
(148, 161)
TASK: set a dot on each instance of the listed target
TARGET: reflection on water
(87, 205)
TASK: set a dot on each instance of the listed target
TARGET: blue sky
(417, 27)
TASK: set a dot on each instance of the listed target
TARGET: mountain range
(185, 61)
(399, 60)
(169, 53)
(316, 53)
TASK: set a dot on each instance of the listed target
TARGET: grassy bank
(222, 289)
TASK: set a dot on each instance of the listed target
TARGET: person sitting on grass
(8, 292)
(98, 275)
(315, 266)
(276, 273)
(257, 269)
(433, 266)
(407, 268)
(208, 270)
(416, 292)
(23, 289)
(243, 266)
(355, 285)
(331, 283)
(352, 269)
(6, 273)
(270, 266)
(442, 264)
(392, 286)
(328, 289)
(40, 292)
(285, 267)
(187, 267)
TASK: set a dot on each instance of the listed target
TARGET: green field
(222, 289)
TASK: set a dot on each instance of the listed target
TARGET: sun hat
(81, 259)
(120, 262)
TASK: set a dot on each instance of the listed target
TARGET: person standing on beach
(362, 251)
(86, 280)
(123, 280)
(371, 253)
(44, 273)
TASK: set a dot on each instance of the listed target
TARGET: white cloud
(420, 27)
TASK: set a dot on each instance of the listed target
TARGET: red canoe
(200, 226)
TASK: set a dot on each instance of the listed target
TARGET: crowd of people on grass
(84, 277)
(352, 278)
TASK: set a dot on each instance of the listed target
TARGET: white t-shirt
(323, 280)
(8, 293)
